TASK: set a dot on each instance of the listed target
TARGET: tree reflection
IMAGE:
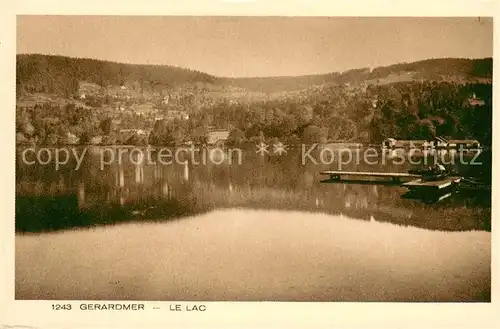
(155, 191)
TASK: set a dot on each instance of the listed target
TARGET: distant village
(129, 114)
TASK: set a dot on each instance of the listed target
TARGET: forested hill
(60, 98)
(44, 73)
(448, 69)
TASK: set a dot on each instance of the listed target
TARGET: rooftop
(217, 135)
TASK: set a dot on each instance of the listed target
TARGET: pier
(368, 176)
(432, 185)
(419, 187)
(410, 181)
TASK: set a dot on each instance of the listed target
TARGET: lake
(241, 226)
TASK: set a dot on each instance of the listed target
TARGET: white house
(218, 137)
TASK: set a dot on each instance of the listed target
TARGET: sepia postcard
(248, 163)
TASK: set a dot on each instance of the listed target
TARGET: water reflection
(273, 255)
(133, 190)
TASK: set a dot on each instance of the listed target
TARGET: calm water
(265, 229)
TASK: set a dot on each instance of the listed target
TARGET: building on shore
(464, 144)
(217, 137)
(176, 114)
(438, 142)
(391, 143)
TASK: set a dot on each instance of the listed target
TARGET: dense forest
(410, 110)
(446, 97)
(43, 73)
(431, 69)
(59, 74)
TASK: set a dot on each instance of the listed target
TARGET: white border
(39, 314)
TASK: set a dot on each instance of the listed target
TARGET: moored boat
(435, 173)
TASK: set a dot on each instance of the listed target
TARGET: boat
(435, 173)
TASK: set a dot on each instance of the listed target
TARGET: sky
(257, 46)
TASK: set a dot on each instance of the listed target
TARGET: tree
(312, 134)
(200, 135)
(20, 138)
(106, 125)
(261, 138)
(84, 138)
(167, 132)
(136, 140)
(305, 114)
(236, 137)
(27, 129)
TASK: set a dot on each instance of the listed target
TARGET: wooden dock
(410, 181)
(415, 181)
(419, 187)
(432, 185)
(432, 191)
(340, 175)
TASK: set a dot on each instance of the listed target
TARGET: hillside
(62, 100)
(58, 74)
(444, 69)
